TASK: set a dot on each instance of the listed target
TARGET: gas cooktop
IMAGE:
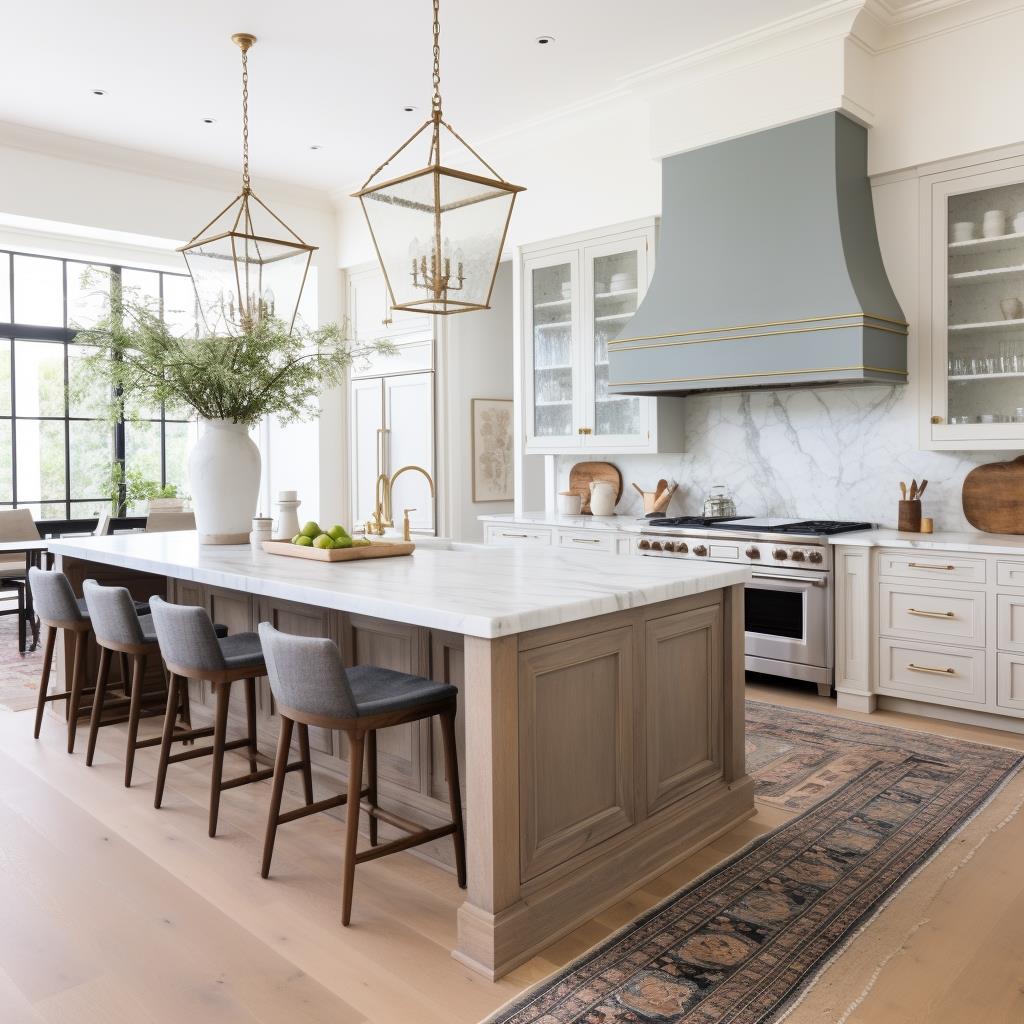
(765, 524)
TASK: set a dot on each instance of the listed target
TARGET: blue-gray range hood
(769, 272)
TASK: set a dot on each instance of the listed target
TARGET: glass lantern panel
(615, 302)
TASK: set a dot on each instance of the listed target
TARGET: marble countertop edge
(967, 542)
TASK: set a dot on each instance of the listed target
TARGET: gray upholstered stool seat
(141, 607)
(312, 686)
(149, 630)
(380, 690)
(192, 650)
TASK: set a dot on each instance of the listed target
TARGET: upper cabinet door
(409, 441)
(615, 278)
(972, 312)
(552, 353)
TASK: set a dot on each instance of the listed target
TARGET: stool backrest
(53, 597)
(307, 674)
(16, 524)
(186, 636)
(113, 615)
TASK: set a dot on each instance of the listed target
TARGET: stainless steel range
(789, 600)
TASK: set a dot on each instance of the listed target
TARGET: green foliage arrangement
(126, 489)
(262, 371)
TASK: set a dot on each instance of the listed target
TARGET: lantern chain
(245, 118)
(435, 103)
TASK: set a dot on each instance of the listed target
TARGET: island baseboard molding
(595, 753)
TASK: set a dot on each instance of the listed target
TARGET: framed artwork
(492, 449)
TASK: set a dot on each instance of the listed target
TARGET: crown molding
(886, 25)
(152, 165)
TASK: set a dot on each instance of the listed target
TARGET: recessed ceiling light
(99, 92)
(209, 120)
(409, 108)
(316, 147)
(545, 40)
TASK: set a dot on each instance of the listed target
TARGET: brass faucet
(382, 513)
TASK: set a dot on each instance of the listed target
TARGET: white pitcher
(602, 498)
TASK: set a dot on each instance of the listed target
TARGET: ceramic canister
(994, 224)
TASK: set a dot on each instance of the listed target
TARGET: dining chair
(16, 524)
(170, 522)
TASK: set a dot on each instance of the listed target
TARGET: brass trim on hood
(755, 373)
(861, 319)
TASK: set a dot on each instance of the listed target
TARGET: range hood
(769, 272)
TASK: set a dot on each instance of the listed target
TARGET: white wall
(478, 365)
(69, 197)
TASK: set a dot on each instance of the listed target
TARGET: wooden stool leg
(220, 728)
(355, 785)
(284, 743)
(307, 767)
(250, 717)
(134, 710)
(22, 644)
(185, 708)
(77, 684)
(168, 735)
(451, 764)
(98, 697)
(125, 673)
(371, 781)
(44, 681)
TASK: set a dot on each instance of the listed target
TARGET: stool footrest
(427, 835)
(242, 780)
(391, 819)
(314, 808)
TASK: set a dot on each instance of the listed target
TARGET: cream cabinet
(971, 322)
(932, 627)
(576, 294)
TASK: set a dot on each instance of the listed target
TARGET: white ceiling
(335, 74)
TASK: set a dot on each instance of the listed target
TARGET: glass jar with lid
(718, 503)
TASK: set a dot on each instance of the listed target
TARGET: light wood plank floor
(113, 912)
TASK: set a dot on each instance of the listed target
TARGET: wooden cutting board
(581, 475)
(993, 497)
(375, 549)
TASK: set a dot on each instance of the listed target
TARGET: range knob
(753, 552)
(682, 547)
(815, 556)
(644, 545)
(797, 556)
(655, 545)
(670, 545)
(700, 550)
(779, 555)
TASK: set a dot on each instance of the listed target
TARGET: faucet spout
(394, 476)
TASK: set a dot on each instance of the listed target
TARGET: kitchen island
(601, 721)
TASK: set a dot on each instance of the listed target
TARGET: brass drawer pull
(586, 540)
(932, 615)
(524, 536)
(922, 565)
(932, 671)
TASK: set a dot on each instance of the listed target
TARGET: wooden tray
(581, 475)
(375, 549)
(993, 497)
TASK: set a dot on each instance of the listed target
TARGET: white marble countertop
(467, 588)
(615, 524)
(981, 543)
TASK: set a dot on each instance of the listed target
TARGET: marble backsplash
(830, 453)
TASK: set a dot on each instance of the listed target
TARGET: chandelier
(245, 269)
(439, 231)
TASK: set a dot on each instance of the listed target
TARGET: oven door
(789, 624)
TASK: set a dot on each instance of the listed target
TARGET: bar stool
(312, 687)
(192, 650)
(119, 629)
(58, 608)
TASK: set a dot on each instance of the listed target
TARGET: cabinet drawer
(1010, 681)
(931, 673)
(1010, 623)
(520, 536)
(920, 613)
(931, 565)
(586, 540)
(1010, 574)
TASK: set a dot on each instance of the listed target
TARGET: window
(56, 450)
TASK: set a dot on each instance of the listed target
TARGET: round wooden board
(581, 475)
(993, 497)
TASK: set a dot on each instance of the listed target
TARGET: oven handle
(814, 581)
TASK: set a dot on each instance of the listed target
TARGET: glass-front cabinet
(577, 294)
(973, 310)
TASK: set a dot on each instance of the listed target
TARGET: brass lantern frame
(434, 168)
(242, 230)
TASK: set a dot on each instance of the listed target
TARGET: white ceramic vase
(224, 476)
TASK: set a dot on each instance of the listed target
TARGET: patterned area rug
(741, 944)
(19, 674)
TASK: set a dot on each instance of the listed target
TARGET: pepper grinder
(287, 515)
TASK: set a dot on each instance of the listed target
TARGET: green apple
(297, 538)
(324, 542)
(337, 532)
(303, 541)
(343, 542)
(360, 542)
(311, 530)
